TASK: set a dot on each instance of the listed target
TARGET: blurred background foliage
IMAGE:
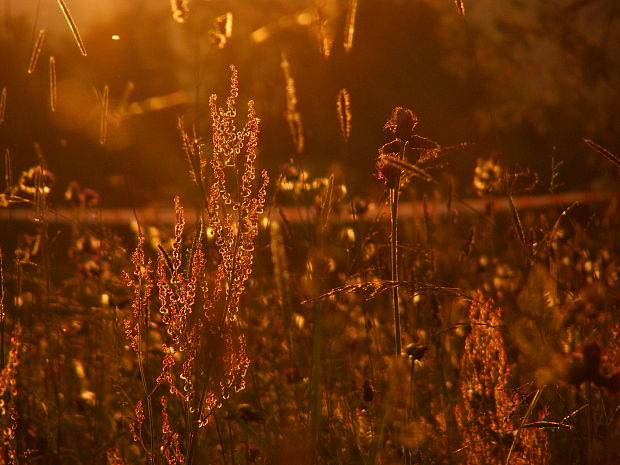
(527, 80)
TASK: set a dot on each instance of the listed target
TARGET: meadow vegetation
(282, 318)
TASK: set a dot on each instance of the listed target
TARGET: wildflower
(36, 180)
(114, 457)
(487, 175)
(406, 145)
(402, 123)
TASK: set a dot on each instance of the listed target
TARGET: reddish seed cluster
(234, 220)
(204, 357)
(8, 374)
(114, 457)
(170, 444)
(8, 384)
(485, 413)
(177, 298)
(136, 426)
(167, 376)
(141, 284)
(611, 354)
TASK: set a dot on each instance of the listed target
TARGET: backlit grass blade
(409, 168)
(36, 51)
(72, 26)
(2, 104)
(523, 422)
(344, 113)
(460, 6)
(293, 117)
(8, 170)
(611, 157)
(327, 203)
(103, 126)
(53, 83)
(350, 27)
(517, 221)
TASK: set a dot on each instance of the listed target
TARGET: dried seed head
(402, 122)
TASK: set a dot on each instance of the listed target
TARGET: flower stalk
(401, 124)
(394, 194)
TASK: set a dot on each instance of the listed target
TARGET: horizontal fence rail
(299, 214)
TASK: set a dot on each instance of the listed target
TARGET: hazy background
(526, 80)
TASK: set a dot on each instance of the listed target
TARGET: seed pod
(416, 352)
